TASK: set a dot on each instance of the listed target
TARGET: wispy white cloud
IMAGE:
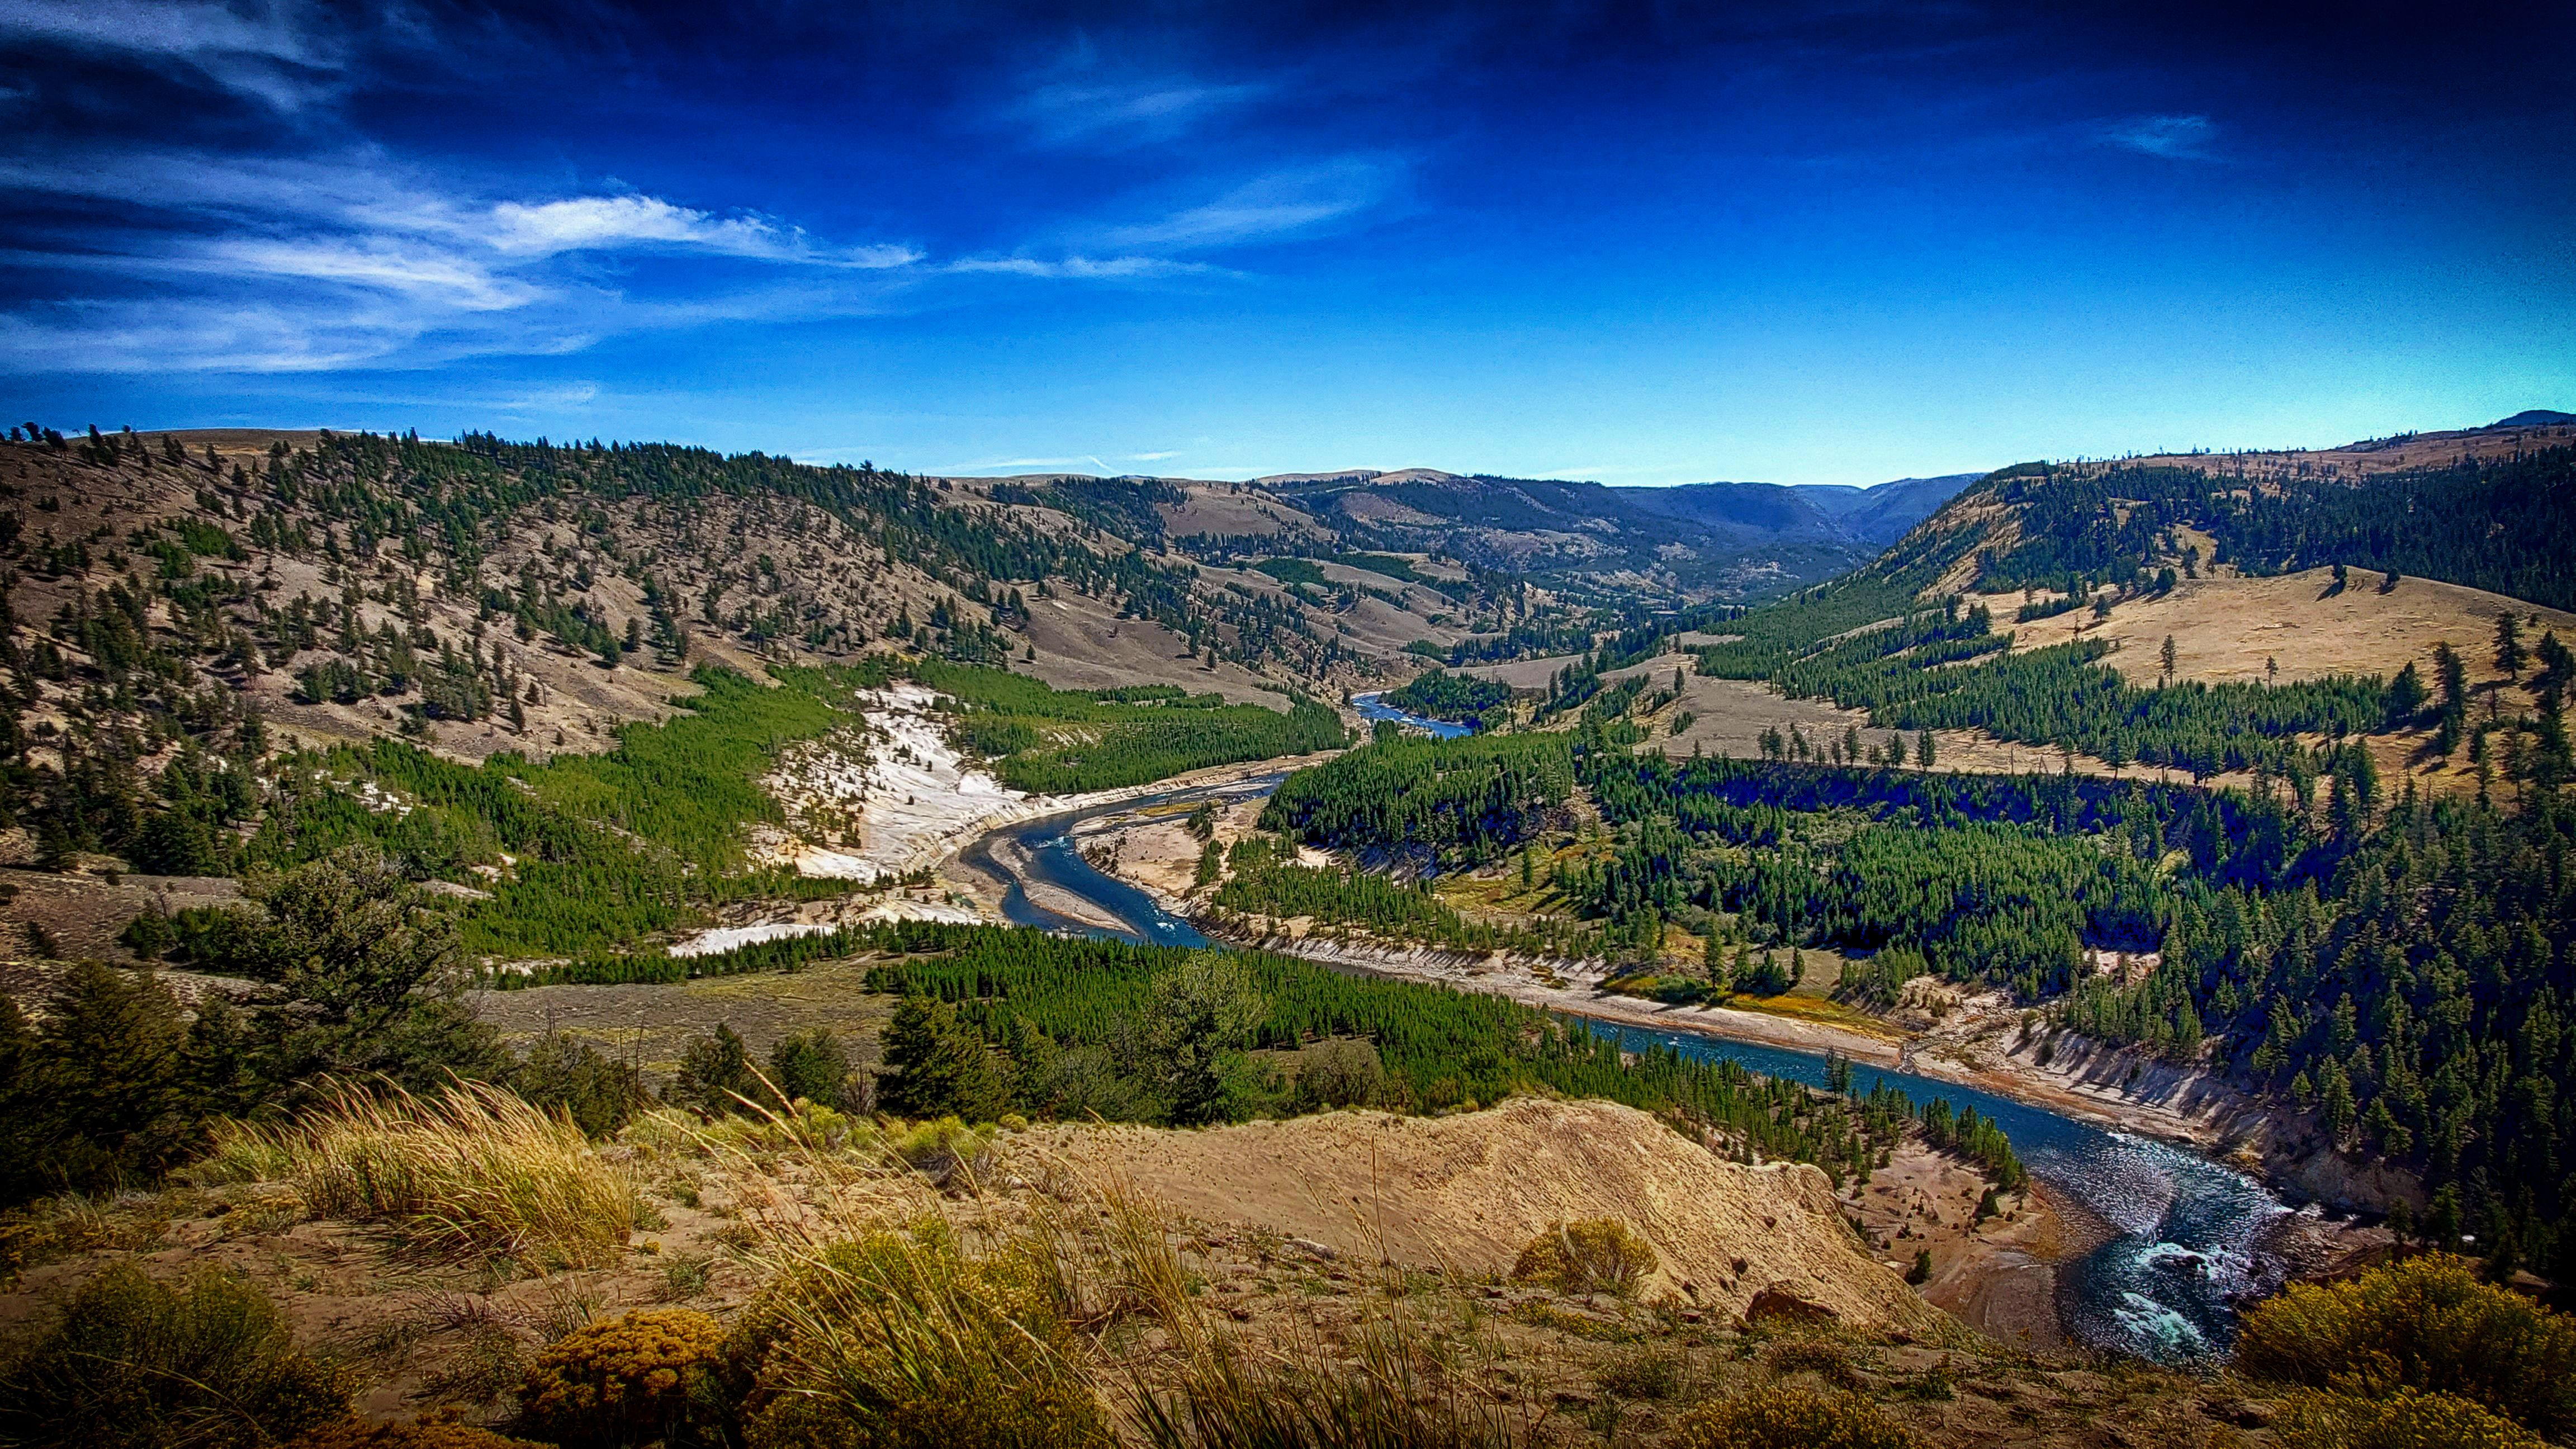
(1280, 204)
(2177, 138)
(571, 397)
(587, 223)
(338, 261)
(180, 29)
(1077, 266)
(990, 466)
(281, 54)
(1117, 114)
(409, 270)
(354, 258)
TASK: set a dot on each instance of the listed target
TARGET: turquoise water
(2190, 1237)
(1372, 709)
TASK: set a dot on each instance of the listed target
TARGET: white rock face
(885, 797)
(729, 938)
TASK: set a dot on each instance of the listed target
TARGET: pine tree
(937, 1066)
(1203, 1012)
(2509, 654)
(810, 1066)
(715, 1074)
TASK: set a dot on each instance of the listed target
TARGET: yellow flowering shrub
(641, 1377)
(1593, 1255)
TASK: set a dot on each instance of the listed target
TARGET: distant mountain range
(1741, 540)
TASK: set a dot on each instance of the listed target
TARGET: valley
(2060, 927)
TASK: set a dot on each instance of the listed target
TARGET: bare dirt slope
(1233, 509)
(1468, 1192)
(2225, 628)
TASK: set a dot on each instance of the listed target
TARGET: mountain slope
(1743, 541)
(2489, 508)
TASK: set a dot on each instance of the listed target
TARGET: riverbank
(2149, 1220)
(1978, 1040)
(890, 797)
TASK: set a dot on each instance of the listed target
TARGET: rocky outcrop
(2218, 1116)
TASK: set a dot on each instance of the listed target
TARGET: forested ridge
(589, 853)
(2401, 966)
(1461, 698)
(2506, 525)
(468, 594)
(1946, 667)
(2418, 996)
(1036, 1001)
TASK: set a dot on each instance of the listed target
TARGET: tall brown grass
(473, 1172)
(903, 1338)
(1383, 1383)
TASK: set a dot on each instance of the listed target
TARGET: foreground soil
(1275, 1239)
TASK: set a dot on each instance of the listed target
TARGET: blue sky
(1824, 242)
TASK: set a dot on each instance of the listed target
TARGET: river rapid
(2189, 1240)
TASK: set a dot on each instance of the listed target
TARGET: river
(1372, 708)
(2189, 1236)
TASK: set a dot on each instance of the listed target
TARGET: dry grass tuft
(474, 1172)
(903, 1338)
(1781, 1416)
(1381, 1386)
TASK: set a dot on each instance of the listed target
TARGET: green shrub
(943, 1149)
(715, 1074)
(1340, 1072)
(648, 1376)
(1594, 1255)
(1815, 1356)
(96, 1094)
(1783, 1417)
(597, 1091)
(135, 1363)
(1644, 1373)
(812, 1067)
(2427, 1324)
(2402, 1420)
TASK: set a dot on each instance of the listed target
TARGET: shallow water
(2189, 1239)
(1371, 708)
(2189, 1235)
